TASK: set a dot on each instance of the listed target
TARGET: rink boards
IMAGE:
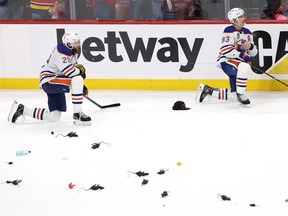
(132, 55)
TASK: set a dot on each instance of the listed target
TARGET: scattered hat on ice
(179, 105)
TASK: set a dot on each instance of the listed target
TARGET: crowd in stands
(277, 9)
(131, 9)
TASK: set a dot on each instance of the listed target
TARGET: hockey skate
(203, 91)
(16, 111)
(243, 100)
(81, 119)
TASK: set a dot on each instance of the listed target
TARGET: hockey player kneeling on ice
(60, 75)
(234, 59)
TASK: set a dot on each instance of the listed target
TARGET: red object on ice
(71, 185)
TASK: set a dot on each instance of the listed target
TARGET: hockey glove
(245, 57)
(238, 47)
(85, 91)
(82, 70)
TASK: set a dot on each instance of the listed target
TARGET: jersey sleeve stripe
(69, 70)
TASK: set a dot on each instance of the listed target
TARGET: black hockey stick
(263, 72)
(102, 107)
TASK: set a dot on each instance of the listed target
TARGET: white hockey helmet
(234, 14)
(71, 40)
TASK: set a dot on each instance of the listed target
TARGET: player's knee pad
(54, 116)
(242, 77)
(243, 69)
(77, 84)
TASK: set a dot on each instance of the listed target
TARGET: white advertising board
(129, 51)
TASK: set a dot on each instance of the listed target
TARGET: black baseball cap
(179, 105)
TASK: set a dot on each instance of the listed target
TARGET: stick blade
(256, 70)
(111, 105)
(104, 106)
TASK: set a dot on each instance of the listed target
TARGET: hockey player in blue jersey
(60, 75)
(237, 48)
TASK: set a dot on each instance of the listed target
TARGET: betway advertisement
(130, 51)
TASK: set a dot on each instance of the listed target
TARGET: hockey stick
(102, 107)
(263, 72)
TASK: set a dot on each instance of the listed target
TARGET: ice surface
(224, 149)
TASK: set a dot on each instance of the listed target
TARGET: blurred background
(139, 9)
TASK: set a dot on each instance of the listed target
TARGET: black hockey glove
(82, 70)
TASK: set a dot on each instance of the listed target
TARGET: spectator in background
(194, 10)
(158, 9)
(81, 9)
(11, 9)
(122, 10)
(44, 9)
(182, 10)
(282, 11)
(141, 10)
(4, 10)
(62, 11)
(168, 10)
(104, 9)
(271, 7)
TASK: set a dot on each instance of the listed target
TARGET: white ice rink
(224, 149)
